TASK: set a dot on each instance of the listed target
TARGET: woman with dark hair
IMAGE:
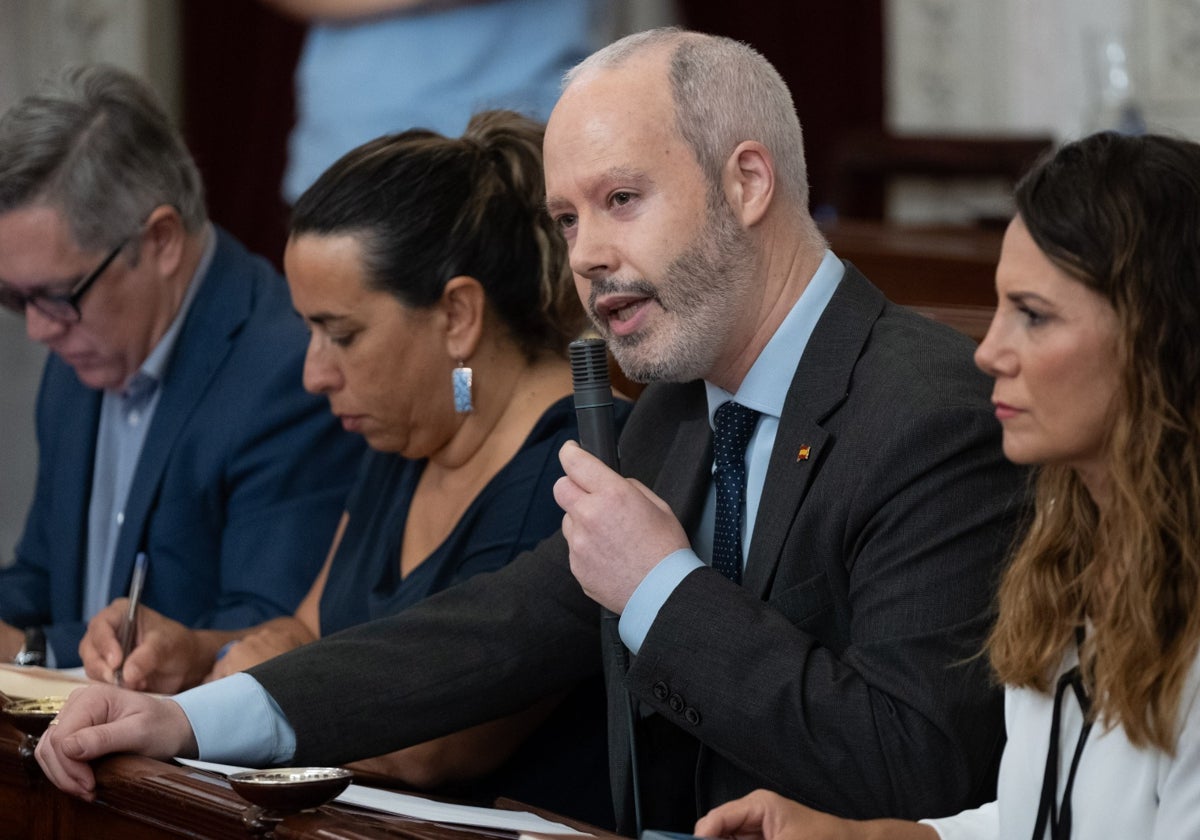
(440, 305)
(1097, 366)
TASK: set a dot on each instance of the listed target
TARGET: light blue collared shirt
(125, 418)
(764, 389)
(430, 68)
(236, 721)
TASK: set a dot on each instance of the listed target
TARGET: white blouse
(1121, 791)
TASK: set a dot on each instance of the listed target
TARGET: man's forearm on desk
(235, 721)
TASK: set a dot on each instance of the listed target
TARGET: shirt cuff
(235, 721)
(645, 602)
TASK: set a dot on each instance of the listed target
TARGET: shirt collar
(766, 384)
(154, 369)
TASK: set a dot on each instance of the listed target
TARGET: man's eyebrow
(606, 179)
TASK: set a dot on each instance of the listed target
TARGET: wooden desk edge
(141, 798)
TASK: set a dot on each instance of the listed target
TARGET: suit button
(676, 703)
(661, 690)
(691, 716)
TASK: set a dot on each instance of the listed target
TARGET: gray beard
(698, 294)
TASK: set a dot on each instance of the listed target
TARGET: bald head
(722, 92)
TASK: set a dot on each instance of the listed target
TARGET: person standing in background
(374, 67)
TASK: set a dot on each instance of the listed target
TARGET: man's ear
(165, 237)
(749, 181)
(462, 306)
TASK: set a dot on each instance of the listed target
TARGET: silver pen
(129, 625)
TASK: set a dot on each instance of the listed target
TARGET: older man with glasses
(61, 307)
(171, 420)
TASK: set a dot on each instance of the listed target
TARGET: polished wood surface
(947, 273)
(143, 799)
(866, 162)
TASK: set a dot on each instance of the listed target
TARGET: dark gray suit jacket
(840, 673)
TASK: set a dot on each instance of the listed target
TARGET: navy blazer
(239, 486)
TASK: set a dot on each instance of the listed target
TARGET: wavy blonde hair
(1122, 216)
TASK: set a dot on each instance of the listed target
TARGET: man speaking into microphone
(797, 557)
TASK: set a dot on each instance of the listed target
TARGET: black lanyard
(1049, 812)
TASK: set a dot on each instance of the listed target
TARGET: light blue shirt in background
(430, 69)
(235, 721)
(764, 389)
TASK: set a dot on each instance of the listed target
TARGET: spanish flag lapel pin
(802, 455)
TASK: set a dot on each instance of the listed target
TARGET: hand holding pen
(166, 656)
(129, 624)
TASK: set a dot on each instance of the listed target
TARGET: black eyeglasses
(63, 308)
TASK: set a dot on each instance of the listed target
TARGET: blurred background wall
(857, 68)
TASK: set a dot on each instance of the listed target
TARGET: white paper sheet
(30, 681)
(402, 804)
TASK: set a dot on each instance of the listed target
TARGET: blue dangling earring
(461, 377)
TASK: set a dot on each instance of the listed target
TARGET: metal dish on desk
(290, 789)
(33, 716)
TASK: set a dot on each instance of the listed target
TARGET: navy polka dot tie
(735, 425)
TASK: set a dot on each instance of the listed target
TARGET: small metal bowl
(290, 789)
(33, 716)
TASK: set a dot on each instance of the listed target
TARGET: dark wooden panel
(946, 273)
(865, 163)
(829, 53)
(238, 62)
(143, 799)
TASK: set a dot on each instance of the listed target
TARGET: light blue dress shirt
(125, 418)
(235, 721)
(764, 389)
(430, 68)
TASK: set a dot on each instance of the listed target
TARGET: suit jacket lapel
(222, 305)
(819, 386)
(684, 484)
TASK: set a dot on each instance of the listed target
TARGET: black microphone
(594, 399)
(598, 435)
